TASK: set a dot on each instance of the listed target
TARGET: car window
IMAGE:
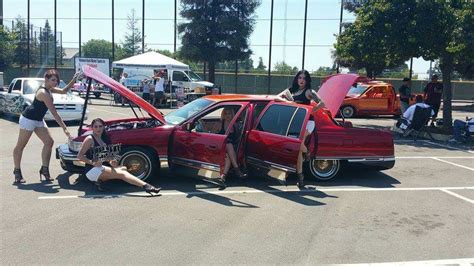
(276, 119)
(212, 121)
(10, 87)
(297, 123)
(187, 111)
(31, 86)
(17, 85)
(257, 110)
(178, 76)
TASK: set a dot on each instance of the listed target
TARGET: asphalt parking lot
(421, 210)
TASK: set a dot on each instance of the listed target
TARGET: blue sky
(323, 23)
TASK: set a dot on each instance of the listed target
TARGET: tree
(218, 30)
(133, 39)
(261, 67)
(7, 48)
(366, 44)
(399, 30)
(323, 71)
(101, 49)
(46, 46)
(284, 68)
(21, 49)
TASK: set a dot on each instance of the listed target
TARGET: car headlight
(74, 146)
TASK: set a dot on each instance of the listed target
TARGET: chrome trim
(65, 153)
(269, 165)
(196, 164)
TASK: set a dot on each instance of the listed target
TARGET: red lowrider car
(270, 134)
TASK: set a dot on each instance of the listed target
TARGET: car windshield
(31, 86)
(355, 91)
(187, 111)
(193, 76)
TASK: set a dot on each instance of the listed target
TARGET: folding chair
(419, 122)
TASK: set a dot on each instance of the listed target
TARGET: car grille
(66, 107)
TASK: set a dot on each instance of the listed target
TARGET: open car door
(274, 143)
(199, 146)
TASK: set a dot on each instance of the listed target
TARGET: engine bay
(150, 123)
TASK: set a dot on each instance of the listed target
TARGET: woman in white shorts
(32, 120)
(301, 92)
(98, 173)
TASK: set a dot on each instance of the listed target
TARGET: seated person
(408, 115)
(98, 173)
(232, 139)
(459, 126)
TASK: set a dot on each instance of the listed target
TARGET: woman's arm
(281, 97)
(311, 94)
(49, 103)
(68, 86)
(85, 146)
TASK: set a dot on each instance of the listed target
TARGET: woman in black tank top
(99, 173)
(31, 121)
(301, 92)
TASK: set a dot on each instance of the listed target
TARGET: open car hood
(123, 91)
(335, 88)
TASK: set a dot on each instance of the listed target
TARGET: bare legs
(48, 142)
(23, 139)
(119, 173)
(230, 158)
(303, 149)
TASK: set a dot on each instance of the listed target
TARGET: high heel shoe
(239, 173)
(44, 172)
(18, 176)
(151, 189)
(300, 182)
(221, 181)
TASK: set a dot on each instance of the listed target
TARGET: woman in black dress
(232, 139)
(302, 93)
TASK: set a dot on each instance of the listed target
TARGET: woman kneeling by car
(90, 153)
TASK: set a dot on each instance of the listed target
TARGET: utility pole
(340, 29)
(270, 49)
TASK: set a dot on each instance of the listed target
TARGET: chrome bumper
(68, 159)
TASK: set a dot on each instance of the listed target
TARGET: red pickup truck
(372, 98)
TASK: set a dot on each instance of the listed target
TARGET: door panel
(274, 143)
(203, 148)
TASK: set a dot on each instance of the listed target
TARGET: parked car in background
(372, 98)
(268, 133)
(21, 93)
(81, 89)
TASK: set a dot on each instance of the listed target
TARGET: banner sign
(101, 64)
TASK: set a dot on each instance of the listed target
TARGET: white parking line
(455, 164)
(255, 191)
(432, 157)
(467, 262)
(458, 196)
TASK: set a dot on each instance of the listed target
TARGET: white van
(194, 86)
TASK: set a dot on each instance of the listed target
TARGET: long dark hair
(105, 137)
(295, 87)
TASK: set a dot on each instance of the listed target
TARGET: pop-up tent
(150, 60)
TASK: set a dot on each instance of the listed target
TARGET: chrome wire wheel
(324, 169)
(137, 163)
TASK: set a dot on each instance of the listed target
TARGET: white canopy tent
(150, 60)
